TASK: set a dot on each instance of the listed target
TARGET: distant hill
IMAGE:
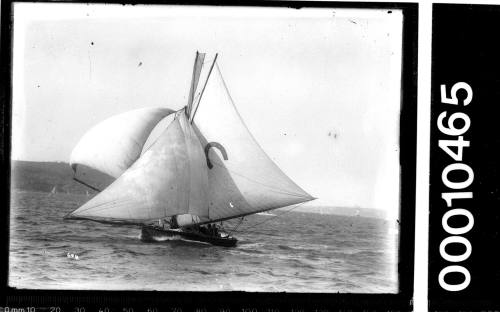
(44, 176)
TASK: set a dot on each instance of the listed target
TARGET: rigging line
(236, 227)
(154, 142)
(110, 220)
(204, 86)
(107, 205)
(86, 184)
(277, 190)
(267, 220)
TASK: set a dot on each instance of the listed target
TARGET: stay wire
(237, 225)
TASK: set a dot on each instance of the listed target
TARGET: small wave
(253, 262)
(194, 241)
(46, 239)
(176, 239)
(367, 253)
(284, 247)
(202, 272)
(165, 238)
(84, 252)
(135, 253)
(251, 251)
(362, 274)
(129, 276)
(312, 257)
(55, 235)
(43, 279)
(251, 245)
(302, 263)
(133, 236)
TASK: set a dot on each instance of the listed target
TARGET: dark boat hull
(149, 233)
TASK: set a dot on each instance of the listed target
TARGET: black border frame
(141, 300)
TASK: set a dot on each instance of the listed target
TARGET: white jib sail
(113, 145)
(168, 179)
(242, 179)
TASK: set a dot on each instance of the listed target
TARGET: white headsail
(168, 179)
(242, 178)
(113, 145)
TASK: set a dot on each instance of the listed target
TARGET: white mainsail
(167, 180)
(113, 145)
(204, 167)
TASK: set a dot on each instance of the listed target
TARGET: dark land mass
(44, 177)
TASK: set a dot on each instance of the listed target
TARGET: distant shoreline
(47, 177)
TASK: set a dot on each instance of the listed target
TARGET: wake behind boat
(267, 214)
(190, 168)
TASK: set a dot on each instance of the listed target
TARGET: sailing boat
(175, 172)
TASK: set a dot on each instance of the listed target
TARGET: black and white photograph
(206, 148)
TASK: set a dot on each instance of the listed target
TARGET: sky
(318, 88)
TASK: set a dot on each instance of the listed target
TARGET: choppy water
(295, 252)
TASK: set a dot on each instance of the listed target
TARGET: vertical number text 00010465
(456, 191)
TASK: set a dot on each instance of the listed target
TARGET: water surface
(294, 252)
